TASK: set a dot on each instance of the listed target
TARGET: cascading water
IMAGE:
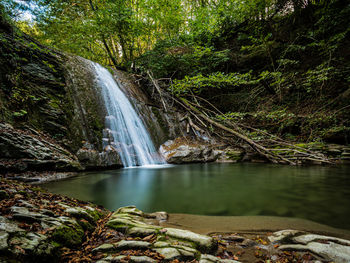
(130, 137)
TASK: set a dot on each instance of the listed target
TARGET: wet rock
(26, 204)
(132, 210)
(169, 253)
(125, 244)
(205, 258)
(78, 212)
(3, 240)
(8, 226)
(103, 248)
(122, 245)
(125, 224)
(141, 232)
(328, 248)
(29, 242)
(284, 236)
(131, 220)
(91, 158)
(204, 243)
(23, 214)
(160, 216)
(132, 259)
(181, 151)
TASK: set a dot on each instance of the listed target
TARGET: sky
(25, 15)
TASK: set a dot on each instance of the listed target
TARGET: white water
(130, 137)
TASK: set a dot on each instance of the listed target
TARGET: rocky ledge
(30, 150)
(188, 150)
(36, 226)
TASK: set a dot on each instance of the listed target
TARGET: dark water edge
(317, 193)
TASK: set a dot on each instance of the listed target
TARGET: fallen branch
(156, 85)
(275, 158)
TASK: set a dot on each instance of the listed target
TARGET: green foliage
(318, 76)
(20, 113)
(259, 55)
(200, 83)
(180, 57)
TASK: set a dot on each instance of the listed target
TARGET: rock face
(54, 96)
(26, 151)
(329, 249)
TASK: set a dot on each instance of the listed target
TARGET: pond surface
(317, 193)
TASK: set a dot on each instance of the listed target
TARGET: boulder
(92, 159)
(182, 151)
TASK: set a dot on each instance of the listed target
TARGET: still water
(317, 193)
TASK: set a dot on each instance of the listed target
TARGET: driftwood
(286, 153)
(275, 158)
(159, 90)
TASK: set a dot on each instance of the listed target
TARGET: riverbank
(37, 226)
(259, 225)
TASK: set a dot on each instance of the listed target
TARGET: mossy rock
(95, 213)
(234, 155)
(68, 236)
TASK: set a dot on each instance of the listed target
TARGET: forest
(233, 114)
(282, 65)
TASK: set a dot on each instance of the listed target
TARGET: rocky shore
(37, 226)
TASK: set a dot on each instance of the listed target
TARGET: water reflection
(317, 193)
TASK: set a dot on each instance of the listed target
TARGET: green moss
(68, 236)
(163, 125)
(119, 227)
(234, 155)
(96, 214)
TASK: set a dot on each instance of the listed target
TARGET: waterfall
(126, 131)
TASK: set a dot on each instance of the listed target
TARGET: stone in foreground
(324, 247)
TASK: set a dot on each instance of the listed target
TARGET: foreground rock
(325, 248)
(168, 243)
(36, 226)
